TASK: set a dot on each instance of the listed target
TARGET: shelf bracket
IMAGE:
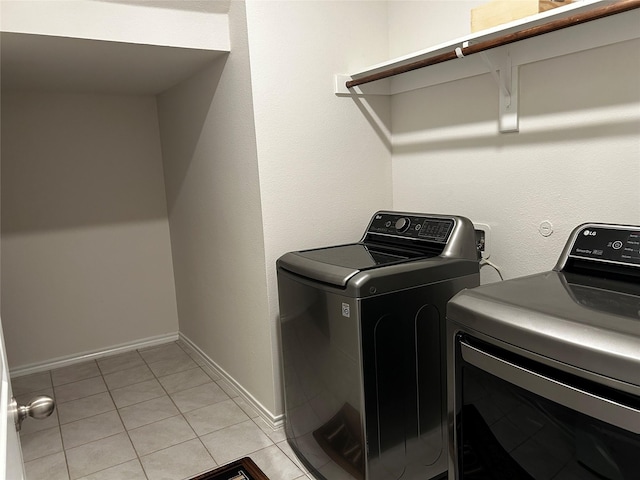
(506, 76)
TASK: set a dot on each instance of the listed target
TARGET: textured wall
(575, 159)
(213, 196)
(416, 25)
(323, 160)
(86, 258)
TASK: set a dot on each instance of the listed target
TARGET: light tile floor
(149, 414)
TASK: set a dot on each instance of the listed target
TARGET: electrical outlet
(483, 239)
(480, 241)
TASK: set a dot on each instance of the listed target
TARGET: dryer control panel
(620, 245)
(415, 227)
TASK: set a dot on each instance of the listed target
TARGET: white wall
(253, 172)
(324, 169)
(86, 259)
(575, 159)
(213, 195)
(416, 25)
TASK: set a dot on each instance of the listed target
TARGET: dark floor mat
(243, 469)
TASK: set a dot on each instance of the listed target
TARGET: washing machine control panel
(607, 243)
(432, 229)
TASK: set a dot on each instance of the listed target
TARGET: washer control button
(402, 224)
(617, 245)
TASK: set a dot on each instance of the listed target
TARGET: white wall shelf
(107, 47)
(504, 61)
(63, 64)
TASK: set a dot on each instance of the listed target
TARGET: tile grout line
(197, 436)
(174, 404)
(117, 409)
(209, 376)
(180, 413)
(57, 412)
(108, 391)
(231, 398)
(248, 412)
(124, 427)
(101, 375)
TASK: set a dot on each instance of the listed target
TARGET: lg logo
(589, 233)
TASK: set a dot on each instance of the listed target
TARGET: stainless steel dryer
(545, 369)
(362, 331)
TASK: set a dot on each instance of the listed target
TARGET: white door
(11, 466)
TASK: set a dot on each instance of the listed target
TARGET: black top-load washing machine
(362, 332)
(545, 369)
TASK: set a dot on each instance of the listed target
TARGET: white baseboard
(92, 355)
(274, 421)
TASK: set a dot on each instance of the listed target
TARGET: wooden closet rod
(595, 14)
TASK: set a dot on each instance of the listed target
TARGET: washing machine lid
(336, 265)
(391, 238)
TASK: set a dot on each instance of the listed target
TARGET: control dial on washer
(402, 224)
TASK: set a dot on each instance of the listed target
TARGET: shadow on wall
(182, 115)
(78, 160)
(440, 143)
(376, 110)
(596, 97)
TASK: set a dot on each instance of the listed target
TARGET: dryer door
(522, 420)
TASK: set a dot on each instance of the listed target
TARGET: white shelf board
(172, 23)
(120, 47)
(605, 31)
(78, 65)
